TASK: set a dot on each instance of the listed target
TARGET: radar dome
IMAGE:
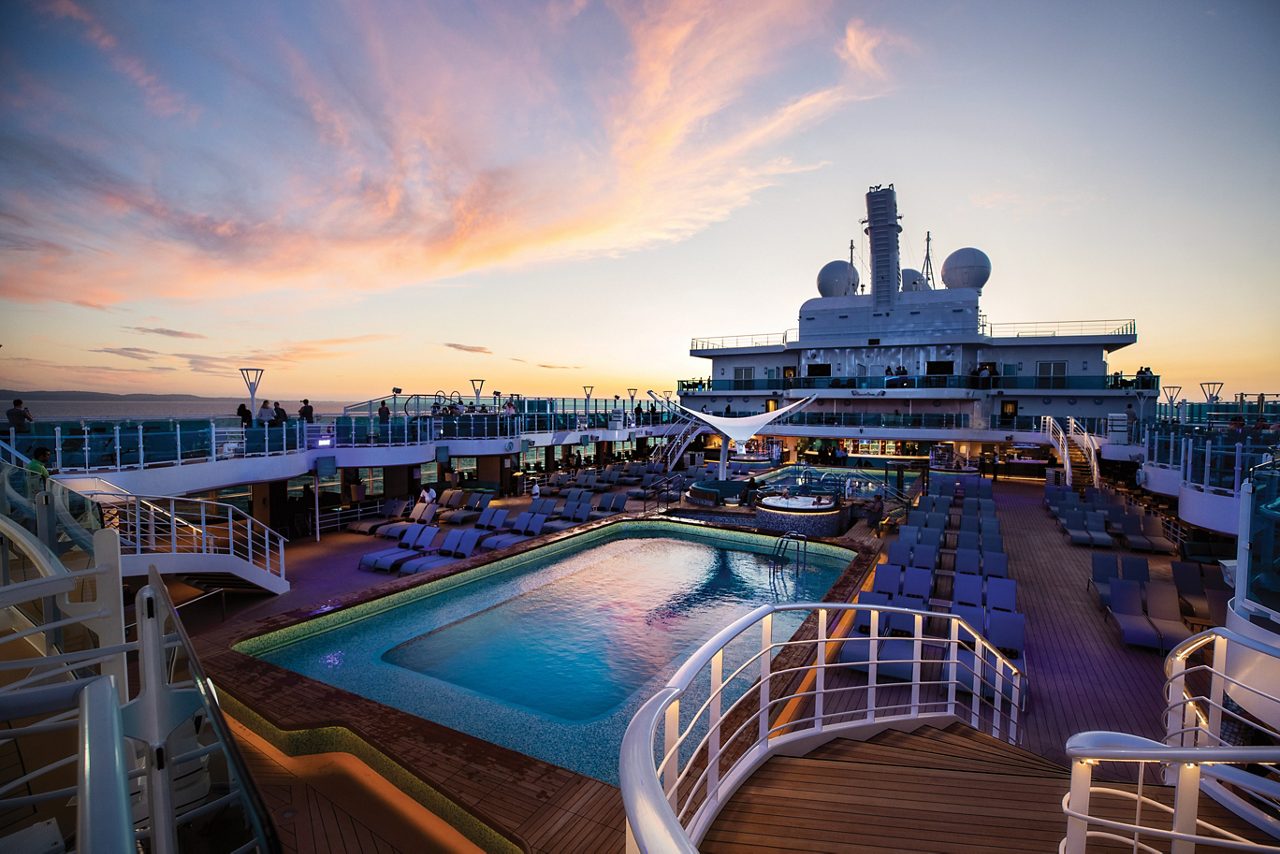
(966, 268)
(837, 279)
(913, 280)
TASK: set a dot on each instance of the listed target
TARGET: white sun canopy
(742, 428)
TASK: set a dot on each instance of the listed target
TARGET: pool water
(552, 658)
(866, 482)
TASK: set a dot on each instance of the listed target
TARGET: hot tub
(814, 515)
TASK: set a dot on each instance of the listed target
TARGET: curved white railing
(749, 696)
(1179, 825)
(154, 524)
(1051, 428)
(1213, 745)
(1085, 442)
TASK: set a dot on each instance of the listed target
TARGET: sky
(360, 195)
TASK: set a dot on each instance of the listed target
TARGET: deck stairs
(931, 789)
(1081, 471)
(690, 428)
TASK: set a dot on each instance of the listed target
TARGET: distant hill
(9, 394)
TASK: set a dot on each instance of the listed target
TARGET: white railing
(1051, 428)
(148, 761)
(1089, 446)
(1155, 823)
(1211, 721)
(745, 695)
(167, 525)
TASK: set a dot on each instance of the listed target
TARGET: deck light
(252, 377)
(476, 386)
(1171, 393)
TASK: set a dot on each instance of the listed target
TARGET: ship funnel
(883, 229)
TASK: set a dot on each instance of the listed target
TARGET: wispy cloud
(468, 348)
(560, 367)
(139, 353)
(159, 97)
(508, 156)
(160, 330)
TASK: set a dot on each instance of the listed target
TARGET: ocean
(119, 410)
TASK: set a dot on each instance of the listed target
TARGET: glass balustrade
(1261, 576)
(1108, 382)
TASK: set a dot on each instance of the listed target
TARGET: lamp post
(252, 377)
(476, 386)
(587, 389)
(1211, 391)
(631, 393)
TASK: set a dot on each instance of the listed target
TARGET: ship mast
(927, 271)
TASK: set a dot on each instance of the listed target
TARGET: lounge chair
(1006, 632)
(995, 564)
(1074, 526)
(899, 553)
(392, 511)
(1190, 584)
(917, 586)
(482, 522)
(909, 534)
(967, 590)
(531, 529)
(1132, 535)
(1095, 523)
(968, 540)
(423, 514)
(463, 548)
(1165, 614)
(970, 524)
(496, 520)
(1105, 570)
(1135, 568)
(992, 544)
(1154, 532)
(1126, 610)
(606, 506)
(931, 537)
(473, 510)
(924, 557)
(1002, 594)
(574, 514)
(414, 543)
(887, 579)
(1219, 599)
(856, 649)
(974, 615)
(968, 562)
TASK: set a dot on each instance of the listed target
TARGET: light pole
(1211, 391)
(252, 377)
(631, 413)
(1171, 393)
(476, 386)
(587, 389)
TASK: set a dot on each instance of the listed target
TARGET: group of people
(1143, 378)
(272, 414)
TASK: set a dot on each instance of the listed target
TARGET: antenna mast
(927, 272)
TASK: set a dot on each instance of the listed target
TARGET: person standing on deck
(307, 412)
(19, 418)
(265, 414)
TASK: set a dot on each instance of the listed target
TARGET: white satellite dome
(966, 268)
(837, 279)
(913, 280)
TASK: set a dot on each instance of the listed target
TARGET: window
(744, 378)
(1051, 374)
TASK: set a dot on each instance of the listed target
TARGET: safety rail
(1096, 382)
(663, 492)
(750, 696)
(150, 759)
(166, 525)
(1182, 829)
(1084, 440)
(1213, 460)
(1051, 428)
(765, 339)
(1035, 329)
(791, 549)
(690, 428)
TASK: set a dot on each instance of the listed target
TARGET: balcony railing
(1212, 459)
(1062, 327)
(767, 339)
(1104, 382)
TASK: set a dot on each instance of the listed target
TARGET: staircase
(952, 789)
(1081, 471)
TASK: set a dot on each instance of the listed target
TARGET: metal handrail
(662, 814)
(1050, 427)
(1085, 442)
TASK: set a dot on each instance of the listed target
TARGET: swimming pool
(551, 652)
(866, 482)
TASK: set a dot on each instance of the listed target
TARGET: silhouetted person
(245, 416)
(306, 412)
(19, 418)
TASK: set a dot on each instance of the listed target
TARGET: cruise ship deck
(1081, 676)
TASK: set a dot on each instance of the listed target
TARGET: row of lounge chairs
(1100, 520)
(925, 552)
(962, 486)
(1159, 625)
(917, 586)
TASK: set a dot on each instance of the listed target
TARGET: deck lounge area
(1081, 678)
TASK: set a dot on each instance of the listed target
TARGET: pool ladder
(789, 544)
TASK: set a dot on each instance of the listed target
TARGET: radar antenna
(927, 269)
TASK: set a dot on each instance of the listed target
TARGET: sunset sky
(546, 194)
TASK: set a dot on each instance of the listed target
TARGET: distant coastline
(10, 394)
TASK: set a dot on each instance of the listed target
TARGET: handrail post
(57, 445)
(85, 447)
(1208, 460)
(670, 736)
(766, 644)
(1175, 702)
(116, 432)
(177, 429)
(953, 661)
(917, 652)
(1235, 483)
(873, 657)
(820, 675)
(1216, 688)
(713, 728)
(1078, 801)
(141, 455)
(1186, 802)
